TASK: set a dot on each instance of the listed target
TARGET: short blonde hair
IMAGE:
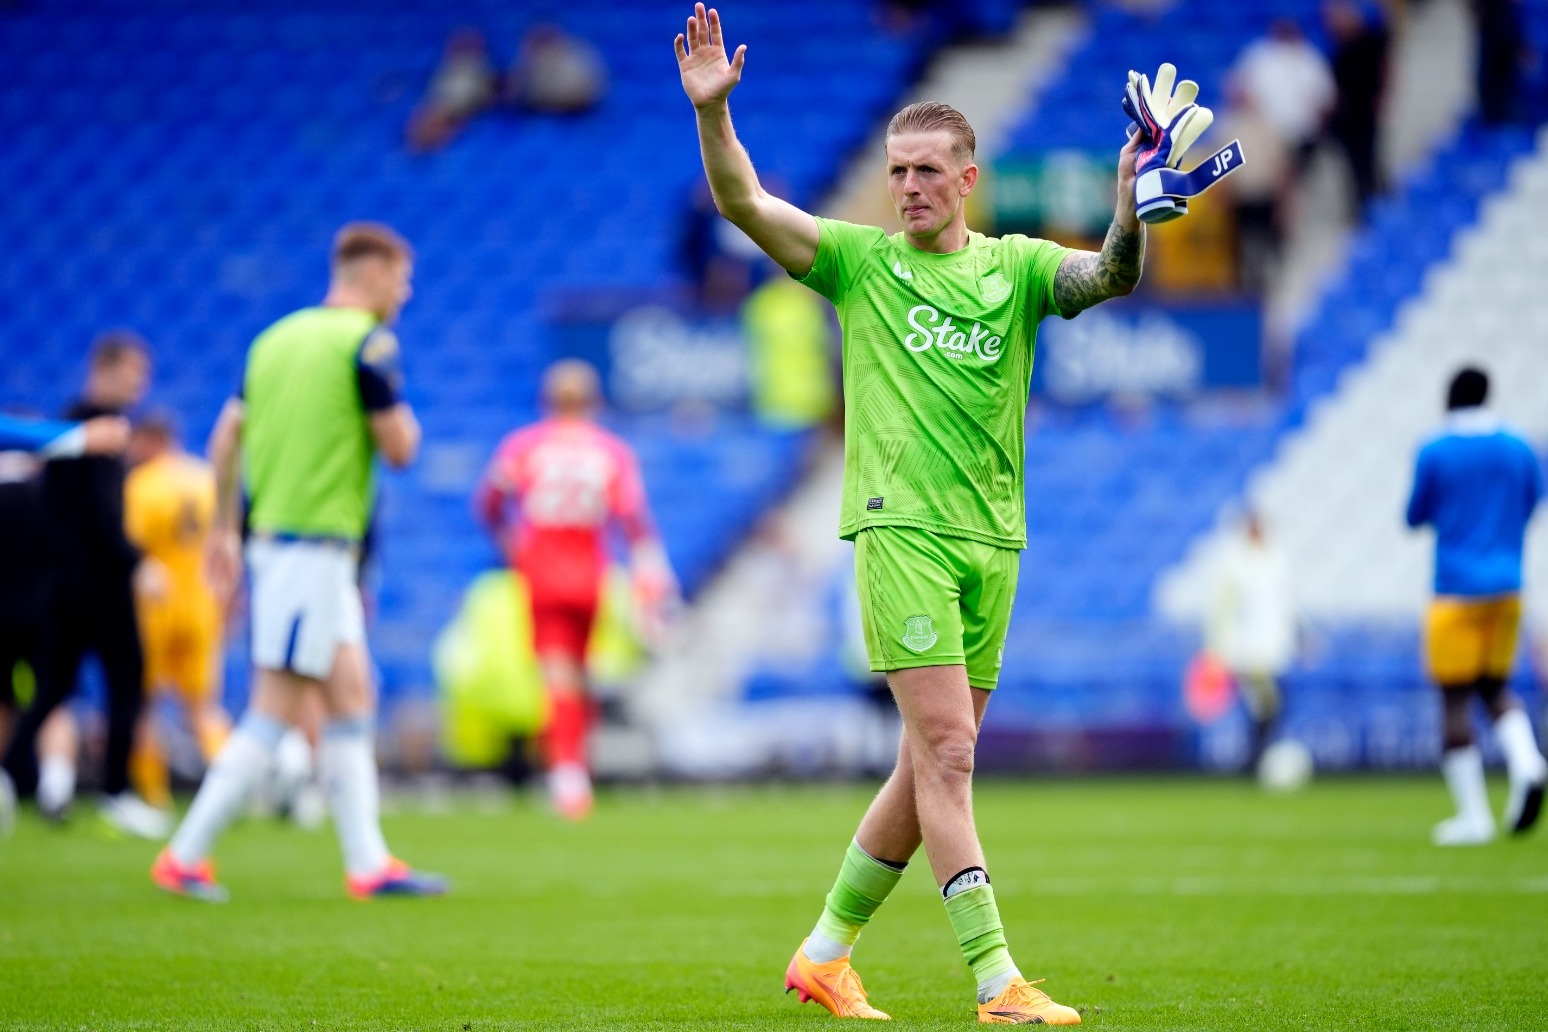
(369, 240)
(932, 116)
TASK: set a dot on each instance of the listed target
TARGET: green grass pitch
(1160, 905)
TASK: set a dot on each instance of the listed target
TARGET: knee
(1457, 727)
(1495, 696)
(947, 754)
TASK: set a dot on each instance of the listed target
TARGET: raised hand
(708, 77)
(1127, 160)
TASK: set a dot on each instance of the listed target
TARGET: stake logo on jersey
(919, 633)
(932, 329)
(937, 365)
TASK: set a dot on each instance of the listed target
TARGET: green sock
(863, 883)
(976, 920)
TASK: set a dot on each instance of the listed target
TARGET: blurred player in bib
(321, 400)
(169, 507)
(551, 492)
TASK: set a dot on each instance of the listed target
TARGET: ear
(969, 179)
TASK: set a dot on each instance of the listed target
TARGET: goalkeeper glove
(1169, 122)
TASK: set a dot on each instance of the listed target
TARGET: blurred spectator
(790, 354)
(949, 19)
(1252, 625)
(1501, 47)
(462, 86)
(1290, 83)
(1151, 8)
(1257, 189)
(556, 73)
(1360, 46)
(93, 606)
(718, 259)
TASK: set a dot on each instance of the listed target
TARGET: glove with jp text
(1169, 122)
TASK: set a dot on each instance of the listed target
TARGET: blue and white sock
(348, 761)
(241, 762)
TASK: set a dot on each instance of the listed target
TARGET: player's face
(124, 383)
(144, 446)
(387, 283)
(928, 183)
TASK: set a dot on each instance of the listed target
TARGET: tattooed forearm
(1087, 278)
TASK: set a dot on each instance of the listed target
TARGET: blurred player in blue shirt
(1476, 483)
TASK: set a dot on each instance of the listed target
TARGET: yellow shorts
(182, 645)
(1470, 638)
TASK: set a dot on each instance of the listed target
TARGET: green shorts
(931, 600)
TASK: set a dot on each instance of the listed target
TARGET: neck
(94, 395)
(953, 237)
(345, 295)
(1475, 419)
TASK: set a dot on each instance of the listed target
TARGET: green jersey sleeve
(1040, 261)
(841, 247)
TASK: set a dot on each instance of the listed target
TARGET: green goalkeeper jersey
(937, 367)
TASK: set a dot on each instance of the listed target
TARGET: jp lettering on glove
(1169, 122)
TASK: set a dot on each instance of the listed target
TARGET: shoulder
(141, 479)
(849, 234)
(195, 468)
(620, 448)
(519, 439)
(379, 345)
(150, 481)
(1516, 442)
(295, 320)
(1514, 437)
(1018, 243)
(857, 230)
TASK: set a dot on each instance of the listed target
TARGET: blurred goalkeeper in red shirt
(549, 496)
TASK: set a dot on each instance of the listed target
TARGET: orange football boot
(195, 882)
(1021, 1004)
(835, 985)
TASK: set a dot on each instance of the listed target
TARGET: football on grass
(1285, 766)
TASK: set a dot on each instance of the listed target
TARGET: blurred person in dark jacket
(26, 583)
(1501, 46)
(92, 608)
(1360, 46)
(24, 570)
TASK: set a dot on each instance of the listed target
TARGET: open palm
(708, 78)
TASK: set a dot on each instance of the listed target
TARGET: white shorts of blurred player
(305, 603)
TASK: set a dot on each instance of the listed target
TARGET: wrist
(1126, 216)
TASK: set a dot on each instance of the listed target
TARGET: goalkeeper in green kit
(939, 325)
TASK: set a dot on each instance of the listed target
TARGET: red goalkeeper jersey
(555, 487)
